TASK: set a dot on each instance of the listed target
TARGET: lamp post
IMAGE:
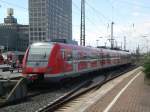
(112, 37)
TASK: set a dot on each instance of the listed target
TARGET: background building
(50, 19)
(13, 36)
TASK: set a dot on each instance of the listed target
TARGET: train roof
(79, 47)
(40, 43)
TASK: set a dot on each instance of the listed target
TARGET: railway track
(88, 85)
(53, 97)
(37, 98)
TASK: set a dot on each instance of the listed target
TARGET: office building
(13, 36)
(50, 19)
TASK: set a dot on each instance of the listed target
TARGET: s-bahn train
(58, 60)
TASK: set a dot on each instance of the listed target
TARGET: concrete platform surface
(135, 99)
(8, 75)
(98, 100)
(134, 96)
(4, 66)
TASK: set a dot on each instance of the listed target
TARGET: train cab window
(39, 51)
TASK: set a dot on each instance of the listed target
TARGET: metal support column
(112, 39)
(82, 30)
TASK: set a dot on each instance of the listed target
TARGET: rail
(81, 89)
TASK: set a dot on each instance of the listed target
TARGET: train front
(36, 60)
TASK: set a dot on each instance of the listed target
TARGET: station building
(13, 36)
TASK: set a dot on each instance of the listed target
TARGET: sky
(131, 19)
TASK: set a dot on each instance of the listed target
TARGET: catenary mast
(82, 30)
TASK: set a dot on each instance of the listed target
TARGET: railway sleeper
(12, 90)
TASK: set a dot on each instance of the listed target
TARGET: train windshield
(39, 54)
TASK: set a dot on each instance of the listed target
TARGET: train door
(68, 61)
(63, 57)
(75, 61)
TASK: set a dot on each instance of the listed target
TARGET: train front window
(39, 53)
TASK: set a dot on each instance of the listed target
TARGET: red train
(58, 60)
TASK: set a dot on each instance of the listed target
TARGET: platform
(9, 75)
(127, 93)
(4, 67)
(132, 96)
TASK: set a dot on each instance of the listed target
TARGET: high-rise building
(50, 19)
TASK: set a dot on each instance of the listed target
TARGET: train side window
(74, 55)
(69, 57)
(101, 56)
(108, 56)
(104, 56)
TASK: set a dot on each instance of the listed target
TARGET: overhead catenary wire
(88, 29)
(132, 3)
(100, 14)
(12, 4)
(88, 19)
(112, 3)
